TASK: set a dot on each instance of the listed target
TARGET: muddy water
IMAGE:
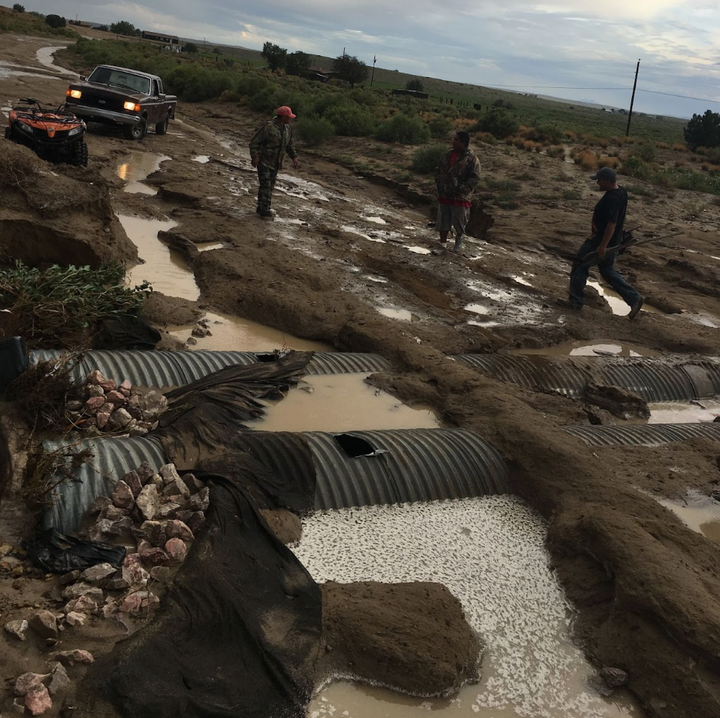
(342, 402)
(136, 167)
(404, 315)
(46, 56)
(698, 512)
(234, 334)
(617, 303)
(164, 268)
(684, 412)
(490, 553)
(592, 348)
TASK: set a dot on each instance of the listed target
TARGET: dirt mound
(55, 214)
(410, 637)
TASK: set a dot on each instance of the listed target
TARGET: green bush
(636, 167)
(545, 133)
(713, 155)
(498, 123)
(404, 129)
(440, 127)
(251, 84)
(645, 152)
(426, 159)
(195, 83)
(351, 120)
(314, 130)
(703, 130)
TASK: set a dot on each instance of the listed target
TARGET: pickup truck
(119, 96)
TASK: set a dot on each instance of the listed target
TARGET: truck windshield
(120, 78)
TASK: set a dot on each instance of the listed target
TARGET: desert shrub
(636, 167)
(314, 130)
(404, 129)
(55, 21)
(713, 154)
(267, 100)
(364, 97)
(47, 304)
(351, 120)
(679, 147)
(572, 194)
(230, 96)
(487, 138)
(498, 123)
(251, 84)
(440, 127)
(586, 159)
(556, 151)
(608, 161)
(426, 159)
(645, 151)
(194, 82)
(545, 133)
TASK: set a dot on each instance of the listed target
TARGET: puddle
(136, 168)
(698, 512)
(403, 314)
(521, 280)
(298, 187)
(10, 69)
(592, 348)
(705, 320)
(377, 280)
(674, 412)
(46, 56)
(202, 159)
(476, 309)
(490, 554)
(617, 303)
(418, 250)
(229, 333)
(164, 268)
(374, 220)
(485, 325)
(342, 402)
(208, 246)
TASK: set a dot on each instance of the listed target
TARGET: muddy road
(347, 263)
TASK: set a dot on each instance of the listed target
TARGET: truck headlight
(132, 107)
(75, 94)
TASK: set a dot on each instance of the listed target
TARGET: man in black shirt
(607, 231)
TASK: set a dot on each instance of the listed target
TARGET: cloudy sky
(546, 47)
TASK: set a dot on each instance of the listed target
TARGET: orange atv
(54, 135)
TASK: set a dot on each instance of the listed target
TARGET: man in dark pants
(267, 151)
(607, 231)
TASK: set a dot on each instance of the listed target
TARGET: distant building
(160, 37)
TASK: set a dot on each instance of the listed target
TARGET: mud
(645, 586)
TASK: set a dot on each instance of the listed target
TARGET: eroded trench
(488, 550)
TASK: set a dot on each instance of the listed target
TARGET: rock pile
(105, 407)
(155, 516)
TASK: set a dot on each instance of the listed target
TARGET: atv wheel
(8, 133)
(137, 131)
(162, 127)
(79, 154)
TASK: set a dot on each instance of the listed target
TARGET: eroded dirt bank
(646, 586)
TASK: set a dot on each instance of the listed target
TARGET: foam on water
(490, 554)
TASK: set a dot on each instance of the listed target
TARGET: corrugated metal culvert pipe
(166, 368)
(361, 468)
(644, 434)
(654, 379)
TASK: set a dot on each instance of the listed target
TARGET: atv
(54, 135)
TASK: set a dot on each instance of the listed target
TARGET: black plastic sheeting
(653, 379)
(237, 634)
(54, 553)
(644, 434)
(166, 368)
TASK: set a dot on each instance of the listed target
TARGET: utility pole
(372, 77)
(632, 100)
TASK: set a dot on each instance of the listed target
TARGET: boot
(458, 244)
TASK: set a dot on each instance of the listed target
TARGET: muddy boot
(439, 251)
(458, 244)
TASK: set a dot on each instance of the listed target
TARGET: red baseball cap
(285, 111)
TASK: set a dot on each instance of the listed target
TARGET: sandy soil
(645, 586)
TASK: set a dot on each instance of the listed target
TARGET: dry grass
(46, 470)
(608, 161)
(586, 159)
(679, 147)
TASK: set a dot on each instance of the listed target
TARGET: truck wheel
(162, 127)
(80, 154)
(135, 132)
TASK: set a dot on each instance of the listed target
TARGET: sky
(583, 50)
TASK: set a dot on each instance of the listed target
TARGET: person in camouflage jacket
(455, 178)
(267, 151)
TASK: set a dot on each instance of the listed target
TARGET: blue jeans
(579, 274)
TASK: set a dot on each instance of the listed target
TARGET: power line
(614, 89)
